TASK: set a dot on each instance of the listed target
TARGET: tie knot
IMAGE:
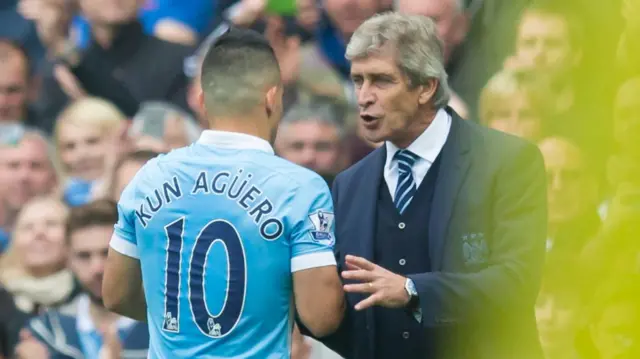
(406, 160)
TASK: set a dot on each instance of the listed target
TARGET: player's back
(217, 230)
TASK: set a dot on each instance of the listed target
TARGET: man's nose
(308, 155)
(366, 97)
(97, 265)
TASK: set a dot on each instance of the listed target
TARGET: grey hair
(414, 38)
(460, 4)
(18, 133)
(323, 113)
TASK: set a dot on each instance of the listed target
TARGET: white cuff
(312, 260)
(123, 246)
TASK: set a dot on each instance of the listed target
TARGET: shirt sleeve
(124, 235)
(313, 236)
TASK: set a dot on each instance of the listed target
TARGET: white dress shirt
(427, 147)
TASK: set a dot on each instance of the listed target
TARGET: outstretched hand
(385, 288)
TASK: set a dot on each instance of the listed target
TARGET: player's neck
(242, 125)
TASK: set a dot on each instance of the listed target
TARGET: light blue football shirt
(219, 227)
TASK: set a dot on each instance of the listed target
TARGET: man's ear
(427, 91)
(273, 98)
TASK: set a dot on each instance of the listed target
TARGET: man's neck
(103, 34)
(417, 126)
(100, 316)
(241, 125)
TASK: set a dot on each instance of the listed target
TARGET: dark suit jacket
(490, 184)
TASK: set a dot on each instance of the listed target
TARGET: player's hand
(385, 288)
(30, 348)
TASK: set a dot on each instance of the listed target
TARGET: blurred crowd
(92, 89)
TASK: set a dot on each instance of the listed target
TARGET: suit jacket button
(401, 225)
(405, 335)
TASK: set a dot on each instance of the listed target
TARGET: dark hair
(139, 156)
(242, 58)
(566, 10)
(103, 212)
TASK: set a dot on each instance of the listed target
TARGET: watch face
(411, 288)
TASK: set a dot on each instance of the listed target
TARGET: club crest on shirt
(322, 225)
(475, 249)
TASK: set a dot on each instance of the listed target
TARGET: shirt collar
(234, 140)
(429, 144)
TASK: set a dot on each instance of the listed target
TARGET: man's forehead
(431, 8)
(27, 148)
(375, 63)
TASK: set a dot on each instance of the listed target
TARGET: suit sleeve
(341, 341)
(512, 276)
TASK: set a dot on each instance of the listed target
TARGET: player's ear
(273, 101)
(199, 98)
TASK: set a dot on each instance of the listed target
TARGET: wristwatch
(410, 287)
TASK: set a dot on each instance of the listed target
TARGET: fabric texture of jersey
(219, 227)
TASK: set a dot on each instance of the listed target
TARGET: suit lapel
(454, 163)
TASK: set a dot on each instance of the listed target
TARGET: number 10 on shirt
(215, 326)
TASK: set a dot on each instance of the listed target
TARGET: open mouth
(368, 118)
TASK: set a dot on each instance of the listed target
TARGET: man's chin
(95, 299)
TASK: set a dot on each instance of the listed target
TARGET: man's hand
(286, 48)
(52, 19)
(112, 347)
(30, 348)
(386, 288)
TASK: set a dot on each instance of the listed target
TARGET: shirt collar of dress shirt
(429, 144)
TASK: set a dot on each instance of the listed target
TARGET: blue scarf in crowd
(77, 192)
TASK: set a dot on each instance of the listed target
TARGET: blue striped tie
(406, 184)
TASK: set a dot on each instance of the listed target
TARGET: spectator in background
(10, 321)
(91, 331)
(558, 311)
(549, 53)
(613, 330)
(16, 85)
(19, 30)
(121, 64)
(83, 135)
(34, 267)
(321, 67)
(573, 188)
(162, 127)
(124, 171)
(27, 171)
(510, 105)
(311, 135)
(628, 55)
(452, 22)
